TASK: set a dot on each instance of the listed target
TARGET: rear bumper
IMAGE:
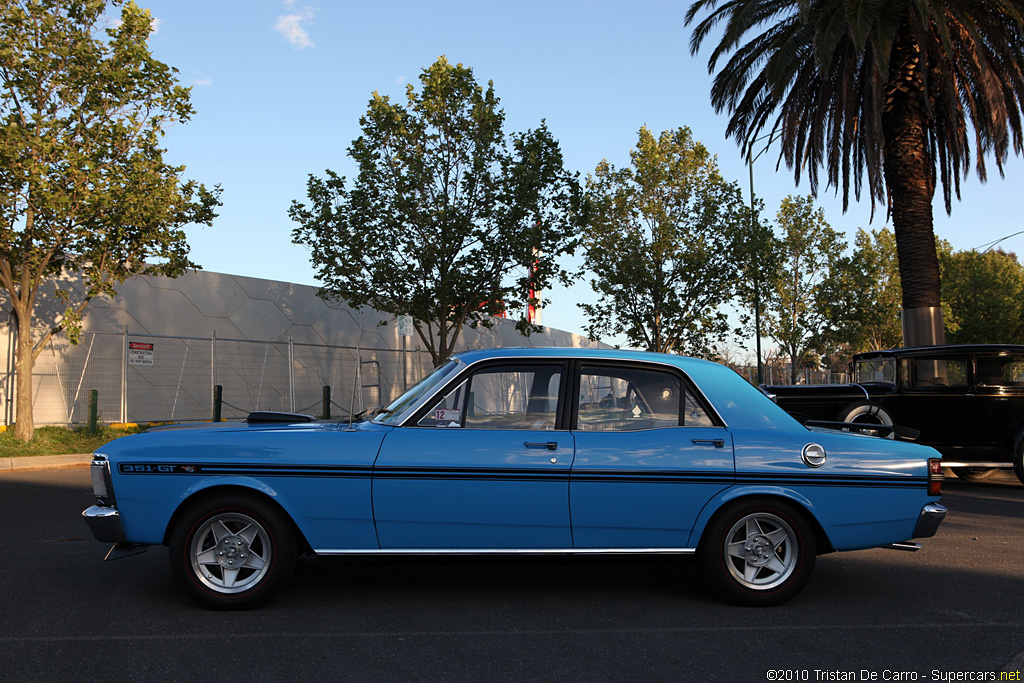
(929, 520)
(104, 523)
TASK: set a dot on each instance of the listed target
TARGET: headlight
(102, 486)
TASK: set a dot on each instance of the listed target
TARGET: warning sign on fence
(140, 353)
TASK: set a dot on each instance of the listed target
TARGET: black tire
(868, 413)
(233, 551)
(758, 552)
(974, 474)
(1018, 462)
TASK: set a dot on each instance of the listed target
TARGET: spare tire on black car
(867, 413)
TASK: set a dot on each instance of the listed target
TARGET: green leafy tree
(885, 96)
(447, 221)
(861, 297)
(83, 185)
(795, 316)
(661, 245)
(984, 293)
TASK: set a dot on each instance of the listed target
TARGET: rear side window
(626, 399)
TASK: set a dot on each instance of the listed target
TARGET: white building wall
(270, 345)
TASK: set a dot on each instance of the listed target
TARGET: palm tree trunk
(910, 181)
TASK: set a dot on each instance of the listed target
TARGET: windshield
(876, 370)
(410, 400)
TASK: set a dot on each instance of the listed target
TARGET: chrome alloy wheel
(231, 552)
(761, 551)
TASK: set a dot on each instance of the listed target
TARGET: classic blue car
(520, 451)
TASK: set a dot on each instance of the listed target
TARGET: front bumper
(928, 522)
(104, 523)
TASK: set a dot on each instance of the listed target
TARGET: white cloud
(290, 26)
(154, 25)
(201, 81)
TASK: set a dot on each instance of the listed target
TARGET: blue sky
(279, 87)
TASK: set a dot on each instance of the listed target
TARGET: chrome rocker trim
(507, 551)
(984, 465)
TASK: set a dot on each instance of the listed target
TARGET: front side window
(625, 399)
(407, 402)
(520, 397)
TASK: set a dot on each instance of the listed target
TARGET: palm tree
(885, 95)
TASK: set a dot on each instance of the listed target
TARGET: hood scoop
(271, 417)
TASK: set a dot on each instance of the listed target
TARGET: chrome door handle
(717, 443)
(550, 445)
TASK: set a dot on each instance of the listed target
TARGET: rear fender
(726, 497)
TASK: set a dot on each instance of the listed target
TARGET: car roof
(558, 352)
(947, 349)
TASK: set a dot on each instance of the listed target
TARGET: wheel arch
(201, 495)
(731, 498)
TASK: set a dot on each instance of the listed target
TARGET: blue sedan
(520, 451)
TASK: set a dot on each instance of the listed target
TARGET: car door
(649, 455)
(486, 466)
(935, 399)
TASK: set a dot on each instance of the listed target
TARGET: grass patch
(61, 440)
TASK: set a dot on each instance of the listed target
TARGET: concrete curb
(38, 462)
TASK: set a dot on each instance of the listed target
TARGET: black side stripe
(818, 479)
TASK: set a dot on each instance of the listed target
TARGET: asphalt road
(953, 611)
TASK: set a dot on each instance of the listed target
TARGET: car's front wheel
(1018, 462)
(758, 552)
(232, 552)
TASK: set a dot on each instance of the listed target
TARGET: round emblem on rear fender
(813, 455)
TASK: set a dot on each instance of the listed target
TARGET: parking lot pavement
(954, 609)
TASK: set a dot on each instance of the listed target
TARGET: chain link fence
(155, 378)
(780, 375)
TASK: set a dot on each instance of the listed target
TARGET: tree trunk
(24, 425)
(910, 182)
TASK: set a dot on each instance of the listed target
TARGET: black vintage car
(966, 401)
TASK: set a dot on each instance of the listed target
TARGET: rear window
(1000, 371)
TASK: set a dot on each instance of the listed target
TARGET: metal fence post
(94, 404)
(124, 378)
(218, 398)
(325, 410)
(213, 371)
(291, 373)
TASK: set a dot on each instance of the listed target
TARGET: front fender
(210, 483)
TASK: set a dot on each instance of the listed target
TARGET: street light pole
(757, 281)
(757, 269)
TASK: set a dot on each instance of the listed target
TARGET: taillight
(935, 477)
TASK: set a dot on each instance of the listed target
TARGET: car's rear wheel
(866, 413)
(758, 552)
(1018, 462)
(232, 552)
